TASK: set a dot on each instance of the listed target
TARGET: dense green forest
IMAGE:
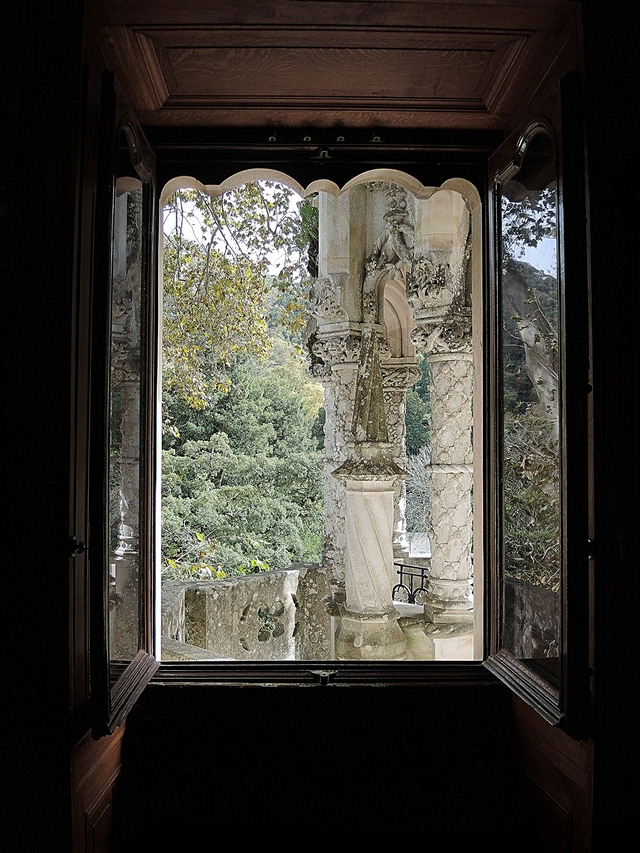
(242, 488)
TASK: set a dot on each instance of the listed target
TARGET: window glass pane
(531, 425)
(125, 433)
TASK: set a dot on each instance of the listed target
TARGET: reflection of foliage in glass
(531, 501)
(527, 221)
(530, 348)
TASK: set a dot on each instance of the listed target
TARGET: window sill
(324, 673)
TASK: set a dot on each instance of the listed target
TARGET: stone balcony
(272, 616)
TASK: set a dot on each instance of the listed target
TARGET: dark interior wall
(424, 763)
(41, 133)
(611, 88)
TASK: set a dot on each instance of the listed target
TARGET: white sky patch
(543, 257)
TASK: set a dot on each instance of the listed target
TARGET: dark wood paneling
(396, 64)
(95, 767)
(560, 770)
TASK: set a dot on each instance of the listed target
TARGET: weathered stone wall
(272, 616)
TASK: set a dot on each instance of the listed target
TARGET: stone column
(333, 338)
(398, 374)
(369, 627)
(438, 291)
(365, 236)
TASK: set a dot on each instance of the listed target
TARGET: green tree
(418, 410)
(217, 282)
(242, 488)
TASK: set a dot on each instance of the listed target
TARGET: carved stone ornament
(337, 349)
(395, 244)
(367, 469)
(393, 248)
(400, 376)
(451, 334)
(324, 300)
(456, 334)
(429, 283)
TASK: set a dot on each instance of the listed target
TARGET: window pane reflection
(531, 426)
(124, 423)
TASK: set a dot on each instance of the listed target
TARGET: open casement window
(370, 182)
(537, 419)
(123, 348)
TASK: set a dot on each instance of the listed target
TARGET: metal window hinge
(76, 546)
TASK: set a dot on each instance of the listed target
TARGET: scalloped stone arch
(403, 179)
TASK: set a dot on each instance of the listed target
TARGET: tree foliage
(418, 410)
(241, 480)
(241, 487)
(218, 288)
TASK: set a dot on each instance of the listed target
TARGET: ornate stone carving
(426, 282)
(393, 247)
(452, 334)
(400, 376)
(336, 349)
(395, 244)
(324, 300)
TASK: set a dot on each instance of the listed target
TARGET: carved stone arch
(397, 316)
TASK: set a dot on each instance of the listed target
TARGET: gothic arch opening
(399, 276)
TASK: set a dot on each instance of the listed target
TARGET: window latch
(76, 547)
(323, 676)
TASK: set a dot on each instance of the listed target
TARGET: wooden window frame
(567, 705)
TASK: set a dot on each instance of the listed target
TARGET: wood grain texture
(319, 116)
(328, 73)
(448, 60)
